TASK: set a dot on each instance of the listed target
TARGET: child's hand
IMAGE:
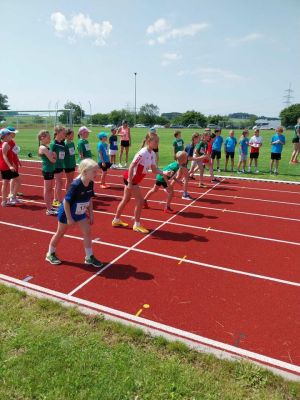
(103, 164)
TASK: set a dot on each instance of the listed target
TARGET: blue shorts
(61, 216)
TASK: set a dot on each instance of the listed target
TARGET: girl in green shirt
(48, 166)
(58, 147)
(83, 146)
(70, 161)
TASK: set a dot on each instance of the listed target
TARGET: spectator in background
(277, 142)
(296, 143)
(124, 132)
(216, 148)
(229, 148)
(255, 144)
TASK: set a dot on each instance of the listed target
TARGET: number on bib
(61, 155)
(81, 208)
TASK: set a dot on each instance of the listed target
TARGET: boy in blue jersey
(229, 148)
(277, 142)
(243, 151)
(216, 148)
(103, 158)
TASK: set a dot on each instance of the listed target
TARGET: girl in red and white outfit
(144, 160)
(124, 132)
(16, 182)
(7, 167)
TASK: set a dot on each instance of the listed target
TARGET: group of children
(58, 157)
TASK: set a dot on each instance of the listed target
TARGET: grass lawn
(26, 139)
(52, 352)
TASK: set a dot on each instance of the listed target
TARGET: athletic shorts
(48, 176)
(275, 156)
(61, 216)
(229, 154)
(216, 153)
(68, 170)
(254, 155)
(125, 143)
(58, 170)
(112, 152)
(107, 166)
(8, 175)
(163, 184)
(243, 157)
(296, 140)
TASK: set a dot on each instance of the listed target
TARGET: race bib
(61, 155)
(71, 151)
(16, 149)
(87, 146)
(115, 143)
(81, 208)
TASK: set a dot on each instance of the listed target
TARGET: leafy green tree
(78, 114)
(289, 115)
(3, 102)
(100, 119)
(193, 117)
(148, 114)
(117, 116)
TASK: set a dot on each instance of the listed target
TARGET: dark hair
(69, 131)
(176, 133)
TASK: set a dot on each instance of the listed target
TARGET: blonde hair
(42, 135)
(85, 165)
(180, 154)
(59, 128)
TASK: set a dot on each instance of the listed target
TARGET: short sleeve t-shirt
(47, 165)
(256, 141)
(297, 128)
(103, 149)
(277, 147)
(178, 145)
(83, 147)
(113, 142)
(217, 144)
(60, 150)
(244, 144)
(230, 144)
(174, 167)
(70, 160)
(201, 148)
(189, 149)
(78, 196)
(143, 160)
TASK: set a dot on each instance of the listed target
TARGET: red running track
(223, 272)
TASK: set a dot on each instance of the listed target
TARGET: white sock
(116, 220)
(137, 224)
(51, 250)
(88, 251)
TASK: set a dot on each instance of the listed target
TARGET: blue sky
(211, 56)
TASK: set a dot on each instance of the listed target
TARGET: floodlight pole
(90, 112)
(135, 98)
(80, 112)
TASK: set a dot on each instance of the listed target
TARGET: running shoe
(256, 171)
(146, 205)
(15, 200)
(168, 210)
(119, 223)
(201, 185)
(140, 229)
(219, 170)
(215, 180)
(11, 202)
(92, 260)
(52, 211)
(52, 259)
(186, 197)
(56, 203)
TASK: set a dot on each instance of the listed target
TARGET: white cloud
(175, 33)
(159, 25)
(80, 26)
(210, 75)
(169, 58)
(244, 39)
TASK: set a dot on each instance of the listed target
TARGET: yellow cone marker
(183, 258)
(141, 309)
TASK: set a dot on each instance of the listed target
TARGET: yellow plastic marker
(207, 229)
(141, 309)
(183, 258)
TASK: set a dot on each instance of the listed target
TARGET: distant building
(265, 124)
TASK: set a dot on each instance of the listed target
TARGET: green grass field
(26, 139)
(51, 352)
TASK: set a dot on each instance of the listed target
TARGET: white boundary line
(139, 242)
(219, 349)
(148, 252)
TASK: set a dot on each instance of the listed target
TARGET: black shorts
(107, 166)
(163, 184)
(68, 170)
(275, 156)
(254, 155)
(216, 153)
(229, 154)
(48, 176)
(296, 140)
(126, 182)
(8, 175)
(58, 170)
(125, 143)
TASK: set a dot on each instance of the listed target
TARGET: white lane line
(180, 204)
(255, 199)
(162, 255)
(140, 321)
(138, 243)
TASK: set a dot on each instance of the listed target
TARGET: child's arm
(129, 136)
(70, 220)
(90, 212)
(80, 150)
(49, 154)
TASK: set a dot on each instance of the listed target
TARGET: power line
(288, 97)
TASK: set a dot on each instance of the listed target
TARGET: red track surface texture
(223, 272)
